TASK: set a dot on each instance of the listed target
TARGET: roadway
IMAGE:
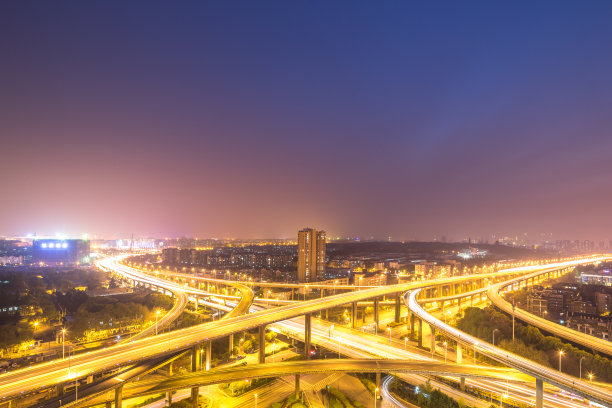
(290, 368)
(51, 373)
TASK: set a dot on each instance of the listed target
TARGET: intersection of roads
(361, 352)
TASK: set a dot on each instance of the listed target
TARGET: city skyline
(409, 121)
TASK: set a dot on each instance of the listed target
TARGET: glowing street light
(375, 396)
(501, 401)
(255, 400)
(63, 343)
(330, 330)
(389, 330)
(560, 355)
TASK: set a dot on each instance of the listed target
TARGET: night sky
(254, 119)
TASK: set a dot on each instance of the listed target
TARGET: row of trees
(109, 312)
(425, 396)
(531, 343)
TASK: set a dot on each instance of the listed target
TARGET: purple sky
(231, 119)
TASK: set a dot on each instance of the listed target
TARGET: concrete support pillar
(119, 396)
(412, 317)
(432, 346)
(61, 389)
(195, 366)
(462, 383)
(208, 355)
(89, 379)
(297, 386)
(195, 396)
(398, 308)
(459, 354)
(170, 368)
(231, 344)
(378, 382)
(262, 344)
(353, 314)
(376, 313)
(539, 393)
(307, 333)
(458, 305)
(195, 358)
(420, 335)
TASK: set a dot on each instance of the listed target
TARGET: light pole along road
(51, 373)
(563, 381)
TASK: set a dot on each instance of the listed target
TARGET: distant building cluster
(582, 307)
(45, 251)
(268, 257)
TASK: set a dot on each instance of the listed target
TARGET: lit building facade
(311, 255)
(61, 251)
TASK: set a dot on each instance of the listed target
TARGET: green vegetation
(237, 388)
(32, 298)
(289, 402)
(426, 396)
(112, 313)
(337, 399)
(368, 380)
(203, 402)
(47, 297)
(531, 343)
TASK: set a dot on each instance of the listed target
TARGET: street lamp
(255, 400)
(156, 316)
(63, 343)
(240, 347)
(581, 358)
(494, 330)
(375, 396)
(389, 330)
(501, 401)
(560, 355)
(591, 377)
(330, 330)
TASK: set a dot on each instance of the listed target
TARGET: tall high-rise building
(311, 255)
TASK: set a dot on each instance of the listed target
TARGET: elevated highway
(147, 387)
(51, 373)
